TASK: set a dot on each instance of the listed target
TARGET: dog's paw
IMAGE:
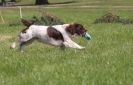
(82, 48)
(21, 51)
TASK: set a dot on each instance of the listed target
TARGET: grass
(106, 60)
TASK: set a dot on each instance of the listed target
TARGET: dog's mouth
(87, 36)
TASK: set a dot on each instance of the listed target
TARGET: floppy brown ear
(26, 23)
(71, 29)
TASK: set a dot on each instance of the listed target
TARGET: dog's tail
(27, 23)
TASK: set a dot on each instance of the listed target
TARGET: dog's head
(76, 28)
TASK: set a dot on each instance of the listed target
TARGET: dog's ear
(71, 29)
(79, 29)
(27, 23)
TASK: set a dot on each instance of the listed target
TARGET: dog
(57, 35)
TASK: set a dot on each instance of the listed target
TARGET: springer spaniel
(57, 35)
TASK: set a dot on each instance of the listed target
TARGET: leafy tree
(13, 0)
(3, 2)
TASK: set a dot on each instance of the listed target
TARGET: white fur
(41, 33)
(13, 45)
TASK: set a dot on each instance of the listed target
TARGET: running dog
(57, 35)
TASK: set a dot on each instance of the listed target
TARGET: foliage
(47, 20)
(112, 18)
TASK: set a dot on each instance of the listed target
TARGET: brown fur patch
(53, 33)
(24, 30)
(75, 29)
(71, 29)
(27, 22)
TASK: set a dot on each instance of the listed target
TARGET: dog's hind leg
(24, 43)
(21, 46)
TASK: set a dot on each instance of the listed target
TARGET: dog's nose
(87, 36)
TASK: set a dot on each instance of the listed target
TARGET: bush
(43, 20)
(112, 18)
(47, 20)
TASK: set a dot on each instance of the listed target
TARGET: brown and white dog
(57, 35)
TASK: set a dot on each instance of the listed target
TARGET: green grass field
(106, 60)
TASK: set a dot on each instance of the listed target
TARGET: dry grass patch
(5, 37)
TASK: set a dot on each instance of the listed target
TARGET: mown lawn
(106, 60)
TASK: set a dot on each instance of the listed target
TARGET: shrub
(43, 20)
(112, 18)
(47, 20)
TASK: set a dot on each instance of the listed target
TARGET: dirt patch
(5, 37)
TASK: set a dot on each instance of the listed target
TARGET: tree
(3, 2)
(13, 0)
(41, 2)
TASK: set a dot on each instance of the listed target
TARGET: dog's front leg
(71, 44)
(76, 45)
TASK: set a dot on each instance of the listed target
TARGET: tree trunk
(13, 0)
(3, 2)
(41, 2)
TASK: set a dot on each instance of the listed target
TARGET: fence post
(2, 17)
(20, 11)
